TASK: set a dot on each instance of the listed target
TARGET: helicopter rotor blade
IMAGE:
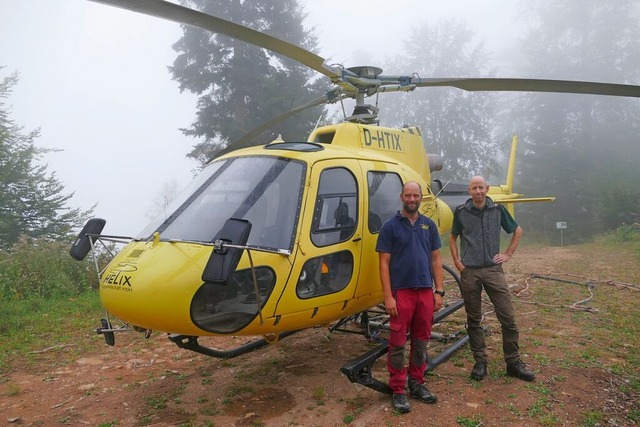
(183, 15)
(247, 140)
(530, 85)
(355, 82)
(350, 81)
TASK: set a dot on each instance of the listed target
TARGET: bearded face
(411, 197)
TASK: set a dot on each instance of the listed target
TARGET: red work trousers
(415, 316)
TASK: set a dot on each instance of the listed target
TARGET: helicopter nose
(151, 285)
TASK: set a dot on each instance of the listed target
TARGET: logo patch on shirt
(424, 226)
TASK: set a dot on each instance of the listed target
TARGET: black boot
(479, 371)
(519, 370)
(400, 403)
(421, 392)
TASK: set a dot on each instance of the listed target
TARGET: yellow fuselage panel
(327, 310)
(404, 145)
(152, 286)
(442, 215)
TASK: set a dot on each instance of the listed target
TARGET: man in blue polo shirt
(412, 281)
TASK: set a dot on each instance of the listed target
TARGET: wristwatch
(441, 293)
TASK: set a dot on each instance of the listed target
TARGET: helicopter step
(360, 370)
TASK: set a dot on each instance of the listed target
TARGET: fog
(94, 80)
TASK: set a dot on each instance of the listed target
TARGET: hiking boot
(400, 403)
(479, 371)
(518, 370)
(421, 392)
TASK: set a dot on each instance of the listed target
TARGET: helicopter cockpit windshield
(263, 190)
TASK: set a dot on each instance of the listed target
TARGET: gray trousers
(472, 281)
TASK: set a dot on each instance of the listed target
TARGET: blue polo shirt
(410, 248)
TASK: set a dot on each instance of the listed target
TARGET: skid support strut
(360, 370)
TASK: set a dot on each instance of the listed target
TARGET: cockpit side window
(384, 198)
(336, 209)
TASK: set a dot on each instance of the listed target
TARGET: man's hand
(500, 258)
(390, 306)
(437, 302)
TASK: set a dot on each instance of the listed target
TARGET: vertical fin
(512, 163)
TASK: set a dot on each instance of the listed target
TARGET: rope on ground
(54, 347)
(632, 286)
(576, 305)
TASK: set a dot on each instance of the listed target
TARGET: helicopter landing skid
(189, 342)
(360, 370)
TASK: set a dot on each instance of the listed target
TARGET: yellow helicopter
(272, 239)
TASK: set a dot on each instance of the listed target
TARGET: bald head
(477, 180)
(478, 189)
(413, 186)
(411, 197)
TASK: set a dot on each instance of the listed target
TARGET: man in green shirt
(478, 223)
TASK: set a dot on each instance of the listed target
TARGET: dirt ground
(297, 381)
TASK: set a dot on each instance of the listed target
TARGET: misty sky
(94, 79)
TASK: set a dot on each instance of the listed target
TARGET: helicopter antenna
(344, 113)
(443, 187)
(165, 204)
(318, 122)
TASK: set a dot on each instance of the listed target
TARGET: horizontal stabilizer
(527, 200)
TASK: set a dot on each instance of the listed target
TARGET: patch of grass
(477, 385)
(13, 389)
(540, 388)
(348, 419)
(474, 421)
(235, 392)
(549, 419)
(603, 338)
(318, 395)
(592, 418)
(57, 323)
(156, 402)
(538, 408)
(514, 409)
(634, 415)
(210, 410)
(542, 359)
(356, 406)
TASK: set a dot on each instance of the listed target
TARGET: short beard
(409, 209)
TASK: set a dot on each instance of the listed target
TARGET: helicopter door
(326, 264)
(383, 187)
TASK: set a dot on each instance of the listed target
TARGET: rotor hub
(367, 71)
